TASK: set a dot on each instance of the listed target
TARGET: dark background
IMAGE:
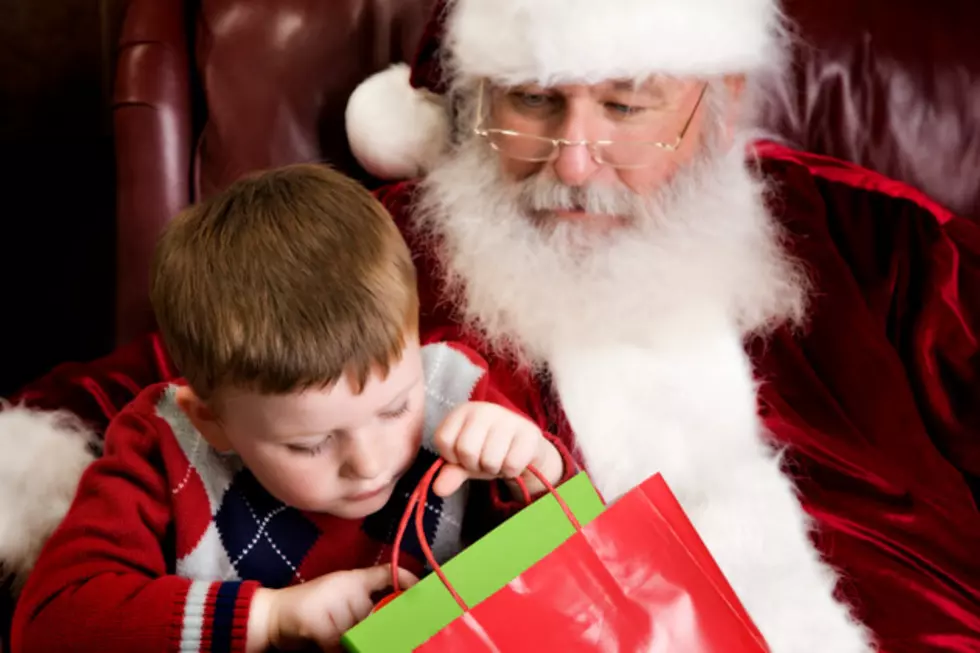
(56, 211)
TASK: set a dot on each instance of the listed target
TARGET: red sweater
(167, 539)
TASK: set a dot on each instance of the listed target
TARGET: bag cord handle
(417, 504)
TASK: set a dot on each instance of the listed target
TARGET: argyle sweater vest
(168, 539)
(228, 527)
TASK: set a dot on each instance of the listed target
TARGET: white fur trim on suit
(553, 41)
(394, 130)
(685, 406)
(42, 458)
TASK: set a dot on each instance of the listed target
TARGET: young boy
(254, 506)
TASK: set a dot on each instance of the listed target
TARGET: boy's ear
(203, 418)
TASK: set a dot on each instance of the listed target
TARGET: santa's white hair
(642, 332)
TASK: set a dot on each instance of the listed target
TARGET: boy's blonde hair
(287, 280)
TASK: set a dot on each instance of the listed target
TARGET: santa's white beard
(704, 242)
(642, 331)
(669, 295)
(640, 326)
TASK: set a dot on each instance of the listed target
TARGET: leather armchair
(208, 90)
(893, 85)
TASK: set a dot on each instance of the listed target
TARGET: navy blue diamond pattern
(383, 525)
(265, 540)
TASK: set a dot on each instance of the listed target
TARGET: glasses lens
(631, 123)
(631, 154)
(521, 146)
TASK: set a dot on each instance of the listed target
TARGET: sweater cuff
(214, 617)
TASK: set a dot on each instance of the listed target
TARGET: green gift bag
(476, 573)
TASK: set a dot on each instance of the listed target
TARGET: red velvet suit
(878, 399)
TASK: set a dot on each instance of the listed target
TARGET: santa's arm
(104, 581)
(918, 266)
(93, 391)
(935, 326)
(50, 431)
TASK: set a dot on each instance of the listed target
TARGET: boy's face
(327, 450)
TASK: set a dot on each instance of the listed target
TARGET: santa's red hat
(398, 121)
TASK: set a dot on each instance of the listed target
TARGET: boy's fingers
(451, 478)
(376, 578)
(469, 444)
(361, 606)
(447, 433)
(519, 456)
(406, 578)
(498, 442)
(379, 578)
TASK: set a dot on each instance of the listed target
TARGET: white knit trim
(192, 630)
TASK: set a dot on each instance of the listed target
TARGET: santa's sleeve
(500, 499)
(93, 392)
(104, 582)
(934, 323)
(918, 267)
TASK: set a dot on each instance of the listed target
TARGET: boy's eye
(310, 450)
(395, 414)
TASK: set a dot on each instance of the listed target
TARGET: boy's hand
(317, 612)
(483, 440)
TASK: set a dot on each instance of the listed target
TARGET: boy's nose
(364, 460)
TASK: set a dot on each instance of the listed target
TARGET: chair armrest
(153, 127)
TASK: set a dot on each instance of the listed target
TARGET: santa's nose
(574, 165)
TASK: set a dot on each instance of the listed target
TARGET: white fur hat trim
(587, 41)
(396, 131)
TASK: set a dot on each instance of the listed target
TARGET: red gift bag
(637, 579)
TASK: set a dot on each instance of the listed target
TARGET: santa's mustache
(542, 194)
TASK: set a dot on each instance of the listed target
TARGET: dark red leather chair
(209, 89)
(893, 85)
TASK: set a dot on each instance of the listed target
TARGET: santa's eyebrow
(647, 91)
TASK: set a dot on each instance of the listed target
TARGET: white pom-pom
(42, 457)
(395, 131)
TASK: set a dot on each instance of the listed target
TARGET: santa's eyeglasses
(614, 153)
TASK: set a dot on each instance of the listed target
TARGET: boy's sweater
(168, 539)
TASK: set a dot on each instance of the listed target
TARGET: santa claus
(791, 341)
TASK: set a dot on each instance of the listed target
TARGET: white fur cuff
(42, 457)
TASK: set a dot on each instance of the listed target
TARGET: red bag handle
(416, 503)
